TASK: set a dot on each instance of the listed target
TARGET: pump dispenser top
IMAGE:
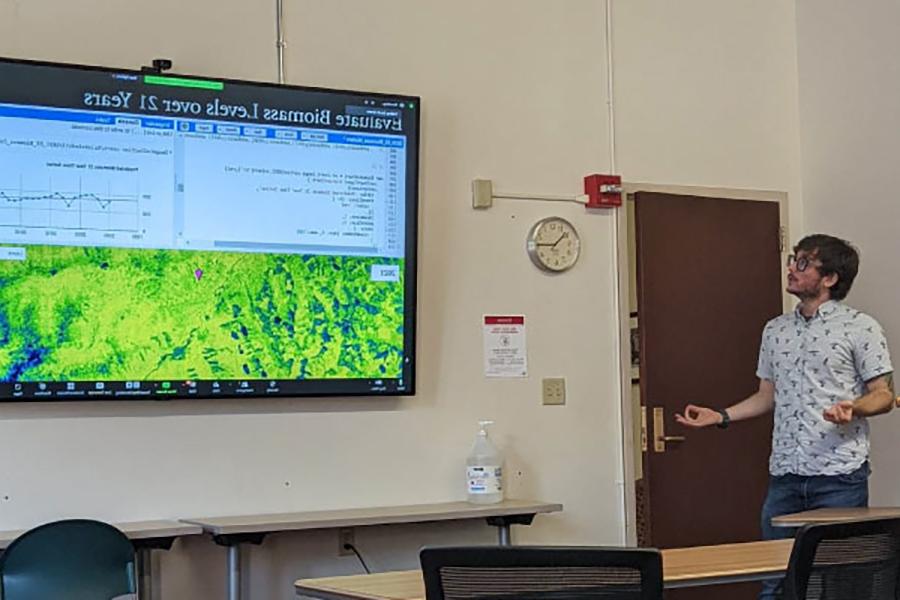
(484, 469)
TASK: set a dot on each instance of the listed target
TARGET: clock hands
(553, 245)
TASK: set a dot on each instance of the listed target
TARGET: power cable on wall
(617, 233)
(279, 38)
(352, 548)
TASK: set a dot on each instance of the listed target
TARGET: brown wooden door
(709, 277)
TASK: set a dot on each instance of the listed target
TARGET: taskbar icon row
(89, 390)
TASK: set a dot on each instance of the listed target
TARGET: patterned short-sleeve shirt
(815, 363)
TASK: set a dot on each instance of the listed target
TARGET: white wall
(513, 90)
(849, 98)
(706, 94)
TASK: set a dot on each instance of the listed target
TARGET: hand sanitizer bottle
(484, 469)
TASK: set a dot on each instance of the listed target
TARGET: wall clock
(553, 244)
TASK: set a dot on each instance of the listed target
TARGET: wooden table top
(745, 561)
(135, 530)
(682, 567)
(357, 517)
(835, 515)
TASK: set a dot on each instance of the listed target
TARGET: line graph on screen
(67, 209)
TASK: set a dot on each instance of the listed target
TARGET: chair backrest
(845, 561)
(541, 573)
(74, 559)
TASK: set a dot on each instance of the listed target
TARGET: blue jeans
(795, 493)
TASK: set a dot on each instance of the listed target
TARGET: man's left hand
(840, 413)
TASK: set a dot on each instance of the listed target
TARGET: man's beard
(808, 294)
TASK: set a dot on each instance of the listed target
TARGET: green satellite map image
(81, 314)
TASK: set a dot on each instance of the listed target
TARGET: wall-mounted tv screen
(171, 236)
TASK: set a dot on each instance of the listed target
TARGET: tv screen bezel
(320, 388)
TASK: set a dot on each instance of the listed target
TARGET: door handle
(659, 430)
(643, 428)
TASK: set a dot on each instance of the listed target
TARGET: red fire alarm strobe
(603, 191)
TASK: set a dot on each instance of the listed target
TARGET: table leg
(503, 523)
(234, 572)
(504, 535)
(143, 548)
(145, 573)
(234, 543)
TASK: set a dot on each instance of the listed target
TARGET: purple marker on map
(198, 274)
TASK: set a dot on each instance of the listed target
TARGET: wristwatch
(725, 419)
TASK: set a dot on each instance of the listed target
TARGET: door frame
(631, 444)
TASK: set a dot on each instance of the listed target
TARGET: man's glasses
(800, 262)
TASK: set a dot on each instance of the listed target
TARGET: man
(823, 369)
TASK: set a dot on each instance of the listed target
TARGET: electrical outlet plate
(345, 536)
(482, 193)
(553, 390)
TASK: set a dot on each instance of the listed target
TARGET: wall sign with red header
(505, 351)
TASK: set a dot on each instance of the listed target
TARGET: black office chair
(541, 573)
(73, 560)
(845, 561)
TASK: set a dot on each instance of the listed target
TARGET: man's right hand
(698, 416)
